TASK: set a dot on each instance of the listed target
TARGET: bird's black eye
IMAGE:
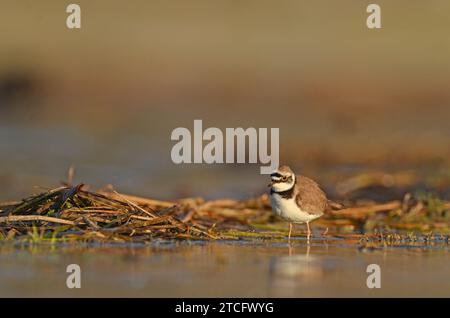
(284, 178)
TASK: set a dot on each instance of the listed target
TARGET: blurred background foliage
(356, 108)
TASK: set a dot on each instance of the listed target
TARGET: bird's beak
(270, 184)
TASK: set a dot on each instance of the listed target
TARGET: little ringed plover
(297, 199)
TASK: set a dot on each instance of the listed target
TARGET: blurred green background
(348, 101)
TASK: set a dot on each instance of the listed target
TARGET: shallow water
(329, 268)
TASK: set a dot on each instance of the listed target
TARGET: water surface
(329, 268)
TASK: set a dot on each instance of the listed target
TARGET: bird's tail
(335, 205)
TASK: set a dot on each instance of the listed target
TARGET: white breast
(289, 210)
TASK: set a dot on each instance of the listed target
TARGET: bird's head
(282, 179)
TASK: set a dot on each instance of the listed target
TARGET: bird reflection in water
(290, 272)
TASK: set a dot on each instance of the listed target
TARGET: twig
(91, 223)
(361, 212)
(150, 220)
(138, 200)
(23, 218)
(135, 205)
(70, 174)
(7, 204)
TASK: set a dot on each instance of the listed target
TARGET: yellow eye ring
(284, 178)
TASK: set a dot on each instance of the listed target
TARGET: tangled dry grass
(74, 214)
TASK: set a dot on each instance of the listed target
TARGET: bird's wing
(310, 198)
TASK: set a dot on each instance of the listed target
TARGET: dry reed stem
(361, 212)
(134, 205)
(137, 200)
(23, 218)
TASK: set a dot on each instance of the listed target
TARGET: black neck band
(287, 194)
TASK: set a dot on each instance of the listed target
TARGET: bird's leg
(309, 231)
(290, 231)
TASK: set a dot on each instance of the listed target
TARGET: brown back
(310, 197)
